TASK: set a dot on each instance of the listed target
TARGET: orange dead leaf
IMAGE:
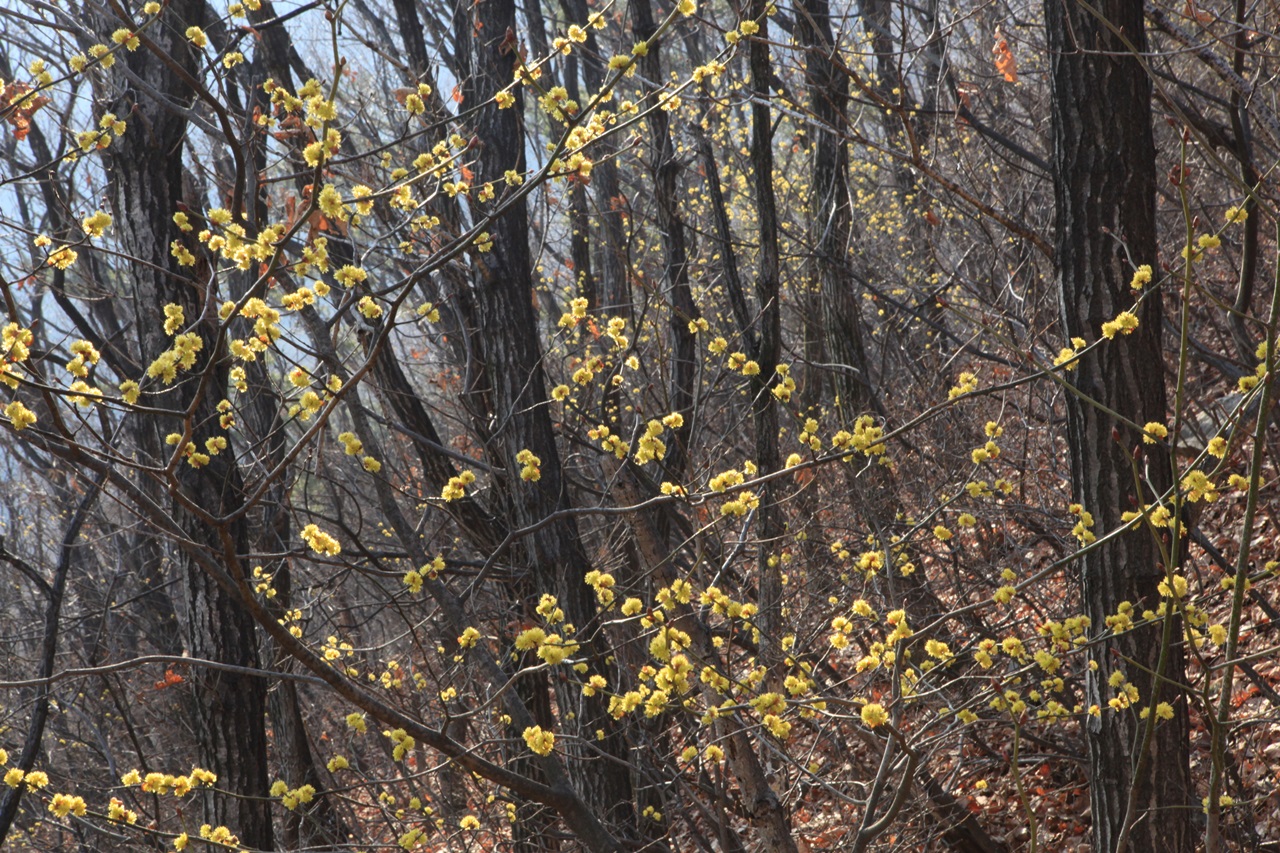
(24, 106)
(1192, 12)
(456, 95)
(170, 678)
(291, 127)
(1005, 62)
(509, 42)
(467, 174)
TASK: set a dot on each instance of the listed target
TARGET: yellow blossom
(874, 715)
(320, 542)
(1124, 323)
(126, 38)
(539, 741)
(1153, 431)
(20, 417)
(96, 223)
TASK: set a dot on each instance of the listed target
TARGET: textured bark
(613, 285)
(735, 291)
(579, 215)
(1104, 181)
(831, 216)
(511, 401)
(485, 532)
(146, 187)
(319, 823)
(665, 169)
(153, 609)
(763, 804)
(55, 594)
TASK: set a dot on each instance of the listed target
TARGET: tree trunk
(1104, 181)
(145, 169)
(511, 400)
(831, 218)
(767, 809)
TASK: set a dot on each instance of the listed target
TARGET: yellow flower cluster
(539, 741)
(404, 742)
(35, 780)
(786, 385)
(181, 357)
(292, 798)
(84, 355)
(967, 383)
(531, 471)
(173, 319)
(320, 542)
(742, 503)
(650, 446)
(20, 417)
(602, 583)
(96, 223)
(1198, 486)
(219, 835)
(456, 488)
(1067, 355)
(351, 445)
(62, 805)
(1141, 277)
(1124, 324)
(118, 813)
(610, 442)
(1082, 530)
(874, 715)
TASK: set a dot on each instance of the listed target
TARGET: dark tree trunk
(831, 217)
(1104, 181)
(511, 398)
(611, 274)
(145, 167)
(767, 809)
(665, 168)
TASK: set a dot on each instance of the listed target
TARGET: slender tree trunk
(1104, 181)
(766, 807)
(665, 169)
(611, 274)
(831, 217)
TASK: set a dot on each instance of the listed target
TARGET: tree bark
(831, 216)
(146, 187)
(767, 809)
(1104, 185)
(665, 168)
(511, 399)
